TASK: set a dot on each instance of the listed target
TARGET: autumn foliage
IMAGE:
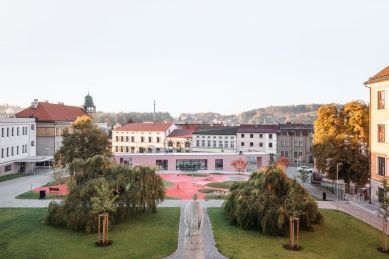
(284, 162)
(239, 165)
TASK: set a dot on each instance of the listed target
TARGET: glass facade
(199, 164)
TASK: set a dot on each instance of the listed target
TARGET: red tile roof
(257, 128)
(181, 133)
(382, 75)
(145, 127)
(51, 112)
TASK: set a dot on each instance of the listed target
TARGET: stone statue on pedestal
(194, 248)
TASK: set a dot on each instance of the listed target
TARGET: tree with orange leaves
(239, 165)
(283, 161)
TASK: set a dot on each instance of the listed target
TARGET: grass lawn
(217, 173)
(340, 236)
(207, 190)
(197, 175)
(11, 176)
(30, 195)
(222, 185)
(214, 197)
(172, 198)
(168, 184)
(144, 235)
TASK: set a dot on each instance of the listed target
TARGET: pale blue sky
(191, 56)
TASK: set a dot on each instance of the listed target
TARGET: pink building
(187, 161)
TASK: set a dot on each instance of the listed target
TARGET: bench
(53, 189)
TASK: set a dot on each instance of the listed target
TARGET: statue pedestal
(194, 251)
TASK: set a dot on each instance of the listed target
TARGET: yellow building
(379, 125)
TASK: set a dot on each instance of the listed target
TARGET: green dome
(88, 101)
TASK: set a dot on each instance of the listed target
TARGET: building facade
(141, 137)
(257, 138)
(379, 128)
(214, 139)
(51, 120)
(180, 140)
(17, 142)
(294, 142)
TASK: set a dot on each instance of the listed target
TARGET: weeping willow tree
(267, 201)
(123, 190)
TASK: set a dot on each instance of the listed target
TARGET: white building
(18, 145)
(257, 138)
(214, 139)
(141, 137)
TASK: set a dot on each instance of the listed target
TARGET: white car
(304, 167)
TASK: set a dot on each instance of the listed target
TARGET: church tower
(89, 107)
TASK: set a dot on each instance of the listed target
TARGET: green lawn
(144, 235)
(35, 195)
(340, 236)
(222, 185)
(168, 184)
(11, 176)
(197, 175)
(218, 173)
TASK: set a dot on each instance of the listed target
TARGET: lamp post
(337, 184)
(49, 157)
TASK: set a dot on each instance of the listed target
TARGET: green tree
(266, 201)
(59, 172)
(83, 141)
(303, 175)
(341, 136)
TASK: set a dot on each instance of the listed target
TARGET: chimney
(34, 104)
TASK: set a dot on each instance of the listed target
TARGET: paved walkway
(10, 189)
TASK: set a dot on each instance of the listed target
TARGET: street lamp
(337, 184)
(49, 158)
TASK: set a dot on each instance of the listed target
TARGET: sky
(191, 56)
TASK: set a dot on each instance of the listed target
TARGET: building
(294, 142)
(200, 161)
(180, 140)
(89, 107)
(257, 138)
(141, 137)
(18, 146)
(51, 120)
(214, 139)
(379, 126)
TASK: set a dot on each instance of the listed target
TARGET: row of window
(252, 135)
(295, 154)
(132, 139)
(10, 131)
(214, 144)
(295, 133)
(7, 152)
(214, 137)
(260, 144)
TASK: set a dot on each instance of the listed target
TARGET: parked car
(304, 167)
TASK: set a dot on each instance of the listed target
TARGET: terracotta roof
(51, 112)
(380, 76)
(216, 130)
(181, 133)
(257, 128)
(158, 126)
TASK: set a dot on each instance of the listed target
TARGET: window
(12, 131)
(297, 133)
(260, 144)
(242, 144)
(251, 144)
(381, 100)
(242, 135)
(7, 132)
(158, 140)
(285, 143)
(203, 143)
(300, 154)
(295, 155)
(32, 127)
(219, 164)
(220, 143)
(270, 136)
(208, 143)
(284, 133)
(170, 144)
(117, 138)
(197, 143)
(282, 153)
(2, 152)
(226, 143)
(381, 132)
(270, 145)
(142, 139)
(214, 143)
(381, 165)
(121, 139)
(132, 139)
(251, 135)
(286, 154)
(2, 132)
(8, 168)
(7, 152)
(232, 144)
(127, 138)
(122, 149)
(380, 194)
(12, 151)
(187, 144)
(150, 139)
(117, 149)
(260, 135)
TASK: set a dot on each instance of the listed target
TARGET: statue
(193, 219)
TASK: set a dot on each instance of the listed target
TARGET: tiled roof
(380, 76)
(181, 133)
(216, 130)
(250, 128)
(290, 126)
(51, 112)
(158, 126)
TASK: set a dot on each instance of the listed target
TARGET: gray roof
(290, 126)
(215, 130)
(257, 128)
